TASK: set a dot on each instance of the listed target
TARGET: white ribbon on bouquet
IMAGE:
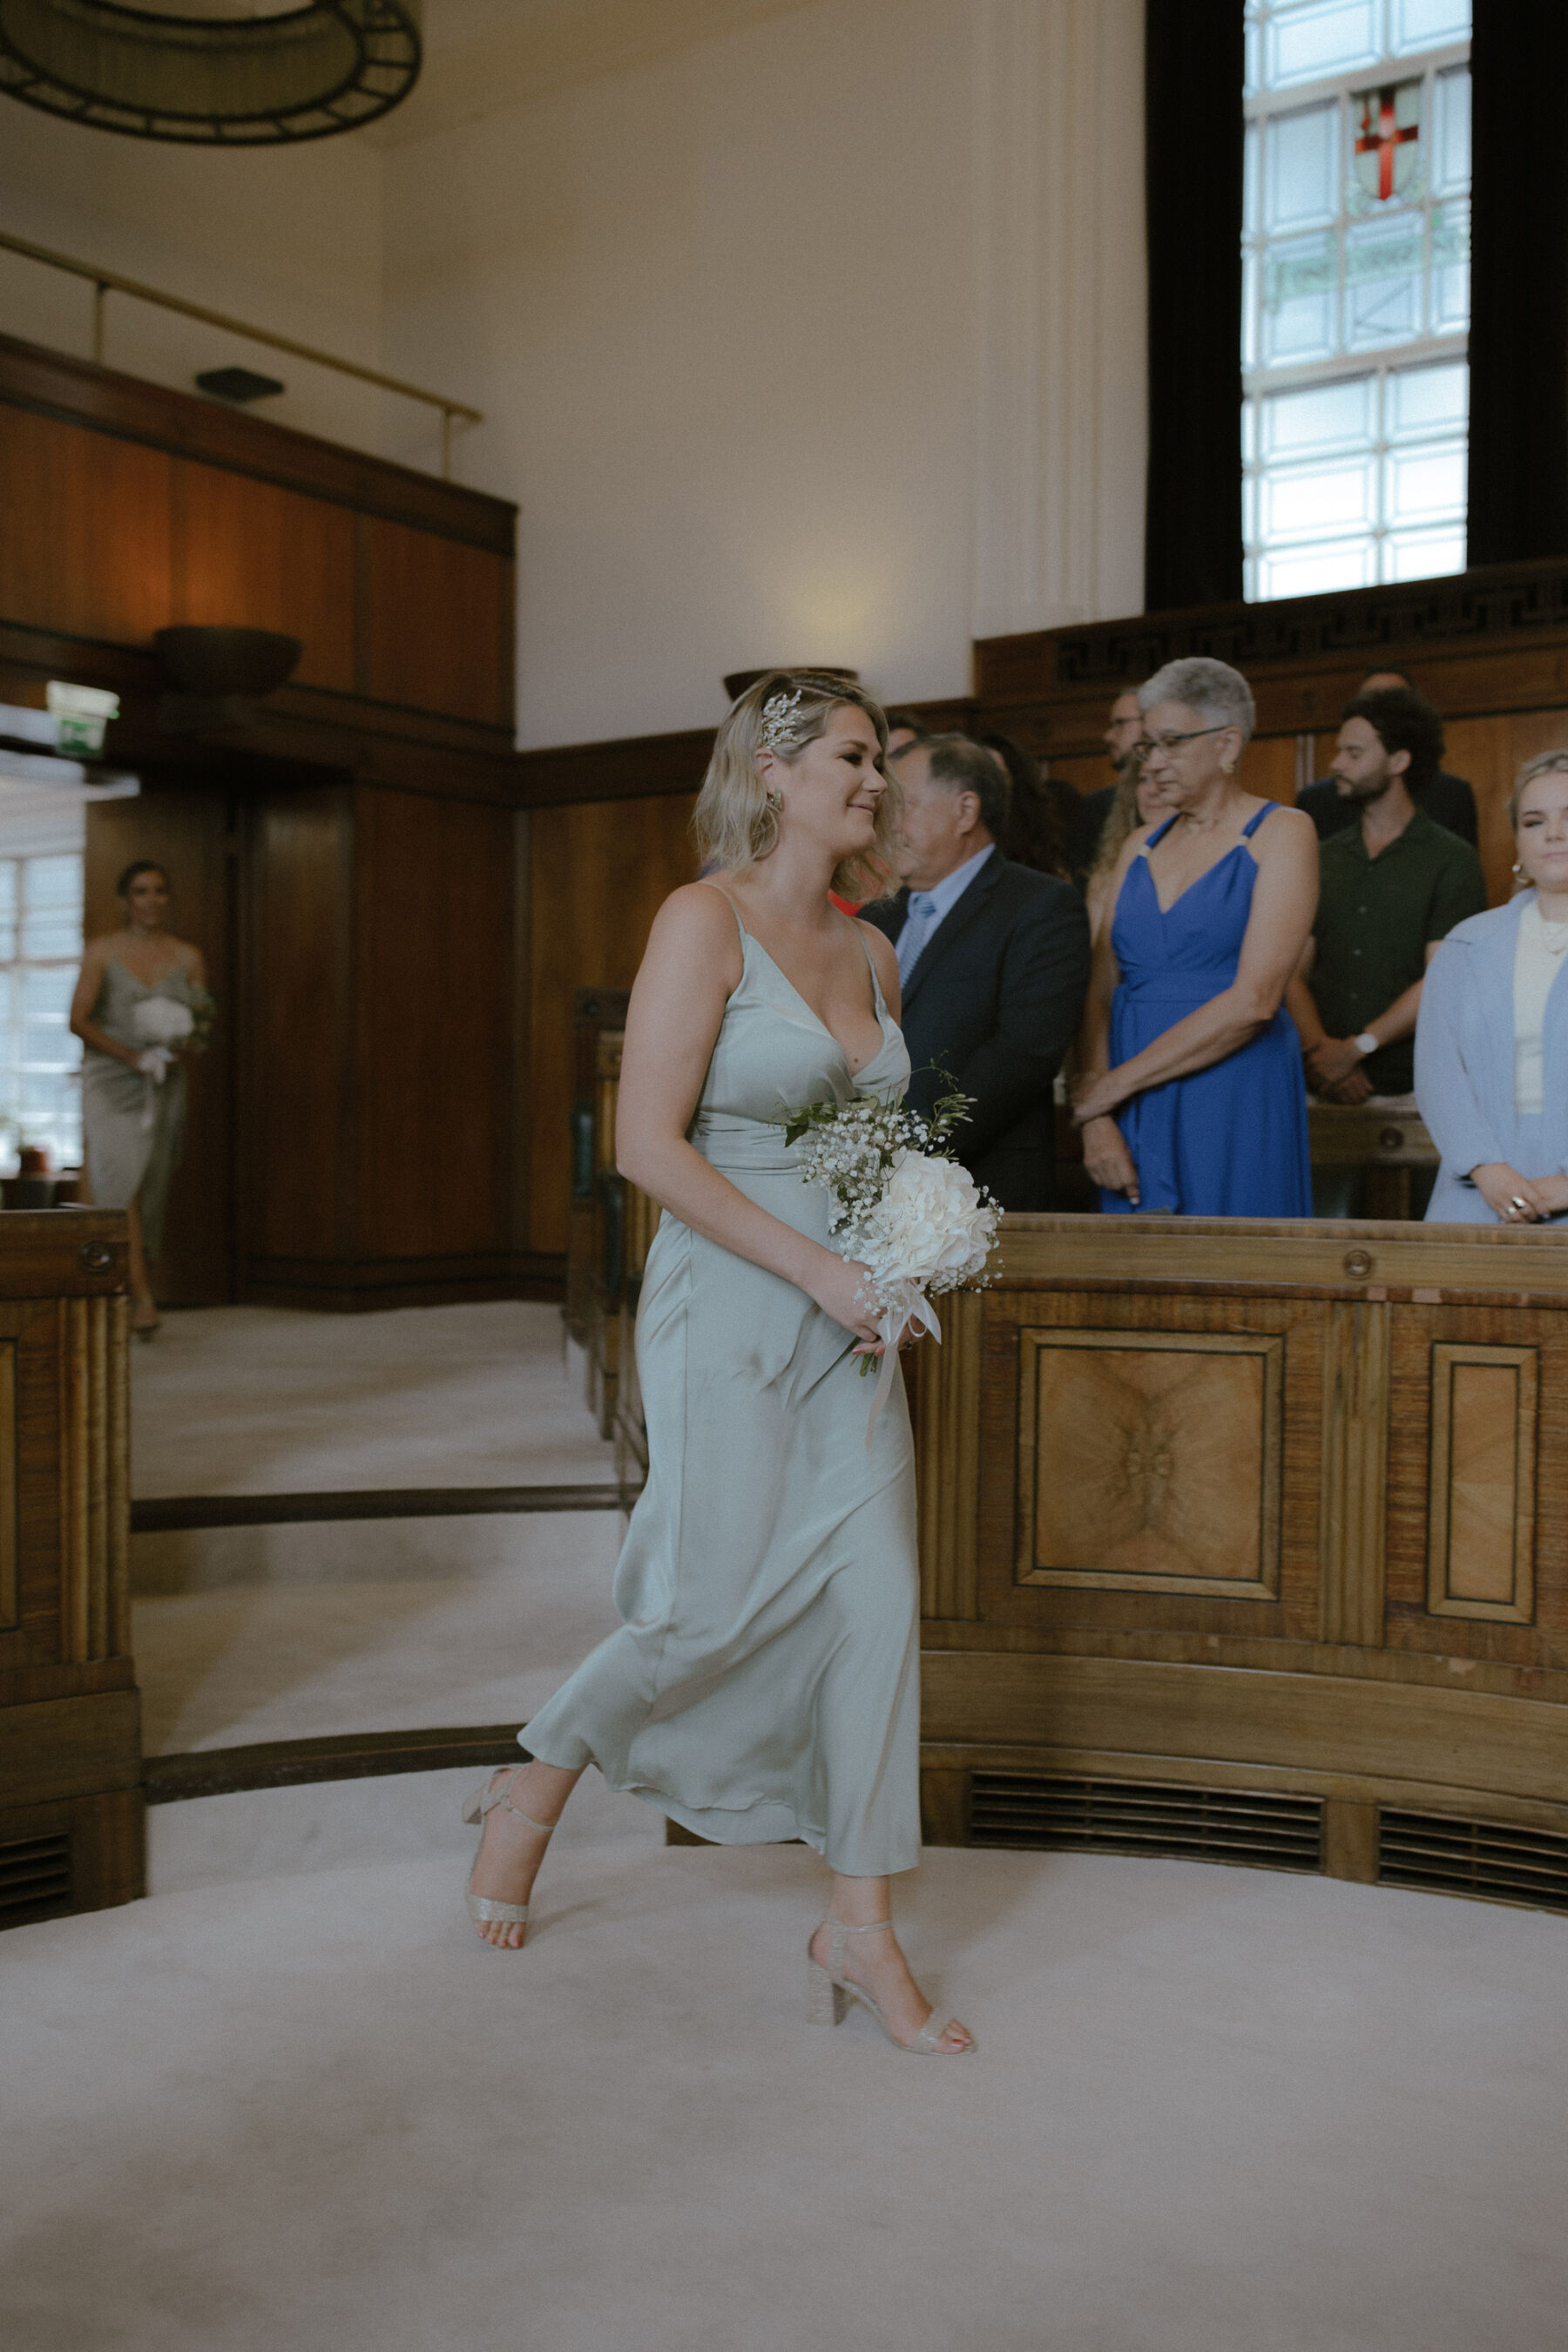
(916, 1315)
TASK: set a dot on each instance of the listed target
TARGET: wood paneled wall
(294, 1162)
(105, 539)
(433, 1020)
(347, 864)
(378, 1116)
(600, 870)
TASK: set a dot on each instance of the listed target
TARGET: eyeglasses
(1173, 742)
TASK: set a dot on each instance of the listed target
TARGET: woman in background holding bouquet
(763, 1685)
(140, 1005)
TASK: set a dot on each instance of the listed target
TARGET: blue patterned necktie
(920, 923)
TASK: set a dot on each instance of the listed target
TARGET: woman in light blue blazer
(1491, 1041)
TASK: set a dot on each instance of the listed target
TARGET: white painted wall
(290, 238)
(820, 340)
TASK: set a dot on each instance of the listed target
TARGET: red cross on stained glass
(1381, 136)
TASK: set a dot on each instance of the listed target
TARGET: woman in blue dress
(1193, 1102)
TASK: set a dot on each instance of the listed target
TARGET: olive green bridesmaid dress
(764, 1683)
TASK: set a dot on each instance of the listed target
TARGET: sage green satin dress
(133, 1131)
(764, 1683)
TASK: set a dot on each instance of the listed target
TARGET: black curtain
(1518, 282)
(1195, 65)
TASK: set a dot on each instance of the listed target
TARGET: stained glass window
(1355, 292)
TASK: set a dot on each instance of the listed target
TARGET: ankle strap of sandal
(838, 1934)
(501, 1796)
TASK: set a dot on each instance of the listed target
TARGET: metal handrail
(109, 281)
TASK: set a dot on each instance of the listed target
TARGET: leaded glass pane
(1320, 417)
(1424, 484)
(51, 907)
(46, 1040)
(1320, 38)
(40, 937)
(1451, 268)
(1424, 554)
(1426, 24)
(1356, 258)
(1384, 269)
(1311, 501)
(1448, 165)
(1317, 571)
(1301, 169)
(1419, 402)
(1301, 299)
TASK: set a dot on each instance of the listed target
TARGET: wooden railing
(105, 282)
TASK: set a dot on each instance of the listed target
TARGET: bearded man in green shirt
(1392, 886)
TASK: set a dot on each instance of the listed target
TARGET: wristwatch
(1366, 1043)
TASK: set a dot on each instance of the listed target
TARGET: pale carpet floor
(289, 2104)
(1212, 2111)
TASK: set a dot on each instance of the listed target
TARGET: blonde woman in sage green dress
(133, 1126)
(765, 1682)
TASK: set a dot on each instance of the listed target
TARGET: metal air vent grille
(1239, 1825)
(34, 1876)
(1490, 1858)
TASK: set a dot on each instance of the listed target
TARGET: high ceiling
(481, 56)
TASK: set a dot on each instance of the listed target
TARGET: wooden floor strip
(346, 1755)
(164, 1513)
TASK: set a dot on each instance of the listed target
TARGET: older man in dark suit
(995, 964)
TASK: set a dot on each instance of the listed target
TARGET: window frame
(1380, 546)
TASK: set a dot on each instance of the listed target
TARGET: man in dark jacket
(1446, 800)
(994, 959)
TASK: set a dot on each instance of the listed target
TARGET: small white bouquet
(903, 1206)
(161, 1025)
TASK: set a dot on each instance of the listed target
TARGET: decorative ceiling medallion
(231, 73)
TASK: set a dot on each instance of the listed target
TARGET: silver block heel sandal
(482, 1910)
(828, 1994)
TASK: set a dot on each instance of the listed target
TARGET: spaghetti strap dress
(132, 1131)
(764, 1683)
(1230, 1140)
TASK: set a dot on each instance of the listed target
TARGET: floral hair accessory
(780, 720)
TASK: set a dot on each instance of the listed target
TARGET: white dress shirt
(928, 908)
(1537, 956)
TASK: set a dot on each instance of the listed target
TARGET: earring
(1518, 871)
(774, 799)
(1227, 767)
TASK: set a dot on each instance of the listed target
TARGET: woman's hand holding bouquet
(912, 1221)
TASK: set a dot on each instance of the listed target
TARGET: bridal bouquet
(902, 1206)
(163, 1024)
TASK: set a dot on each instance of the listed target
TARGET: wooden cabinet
(70, 1762)
(1248, 1541)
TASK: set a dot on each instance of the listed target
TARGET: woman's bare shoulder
(1286, 825)
(698, 923)
(96, 952)
(883, 952)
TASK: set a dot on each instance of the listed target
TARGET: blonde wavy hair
(735, 825)
(1543, 764)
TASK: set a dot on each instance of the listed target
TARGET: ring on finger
(1517, 1203)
